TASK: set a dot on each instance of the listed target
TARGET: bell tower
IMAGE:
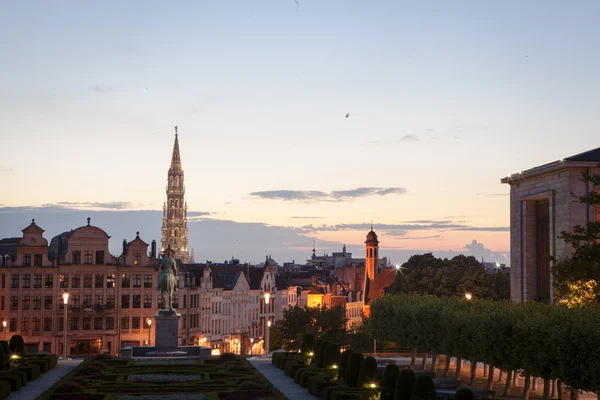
(372, 247)
(174, 226)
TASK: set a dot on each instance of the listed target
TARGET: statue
(168, 280)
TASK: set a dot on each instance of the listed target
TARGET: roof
(9, 246)
(582, 160)
(225, 281)
(175, 157)
(376, 288)
(225, 276)
(53, 248)
(281, 282)
(255, 276)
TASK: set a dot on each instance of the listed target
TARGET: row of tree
(539, 340)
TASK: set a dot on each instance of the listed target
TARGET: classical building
(174, 223)
(541, 207)
(110, 298)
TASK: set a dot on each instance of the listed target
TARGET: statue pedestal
(166, 334)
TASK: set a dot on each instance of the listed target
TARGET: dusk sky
(445, 98)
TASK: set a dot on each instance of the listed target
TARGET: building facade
(541, 207)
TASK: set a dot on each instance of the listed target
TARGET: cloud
(101, 88)
(396, 228)
(479, 251)
(336, 195)
(298, 217)
(111, 205)
(493, 194)
(199, 213)
(405, 138)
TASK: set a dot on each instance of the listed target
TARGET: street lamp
(65, 297)
(468, 296)
(4, 329)
(149, 322)
(267, 335)
(267, 323)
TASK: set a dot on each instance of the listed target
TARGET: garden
(16, 369)
(102, 377)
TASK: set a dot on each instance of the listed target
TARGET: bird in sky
(347, 115)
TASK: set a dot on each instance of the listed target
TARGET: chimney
(124, 248)
(153, 249)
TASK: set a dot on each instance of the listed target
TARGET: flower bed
(104, 378)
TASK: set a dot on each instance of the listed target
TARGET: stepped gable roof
(376, 288)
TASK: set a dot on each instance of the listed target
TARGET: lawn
(108, 378)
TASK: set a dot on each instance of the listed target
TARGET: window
(110, 281)
(147, 301)
(47, 302)
(110, 301)
(98, 323)
(88, 256)
(137, 281)
(76, 282)
(98, 301)
(37, 261)
(87, 300)
(137, 259)
(63, 280)
(87, 323)
(125, 283)
(49, 281)
(37, 324)
(124, 323)
(25, 324)
(26, 280)
(27, 260)
(87, 281)
(25, 303)
(135, 323)
(175, 301)
(13, 324)
(14, 281)
(125, 301)
(110, 322)
(14, 303)
(74, 323)
(99, 256)
(148, 281)
(37, 281)
(75, 301)
(137, 300)
(48, 324)
(3, 281)
(37, 303)
(99, 281)
(76, 255)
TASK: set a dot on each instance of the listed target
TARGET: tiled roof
(254, 276)
(9, 246)
(588, 156)
(53, 248)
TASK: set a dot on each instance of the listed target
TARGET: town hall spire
(174, 227)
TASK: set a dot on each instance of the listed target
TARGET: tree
(577, 277)
(276, 341)
(325, 323)
(426, 274)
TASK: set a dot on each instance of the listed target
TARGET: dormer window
(27, 260)
(99, 256)
(37, 260)
(76, 255)
(87, 256)
(137, 259)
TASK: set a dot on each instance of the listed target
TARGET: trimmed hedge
(424, 389)
(545, 340)
(317, 383)
(308, 344)
(17, 345)
(464, 394)
(351, 378)
(6, 351)
(388, 385)
(404, 384)
(368, 372)
(4, 389)
(332, 356)
(344, 359)
(320, 353)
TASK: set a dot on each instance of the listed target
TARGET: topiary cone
(464, 394)
(404, 384)
(351, 378)
(388, 386)
(423, 389)
(368, 372)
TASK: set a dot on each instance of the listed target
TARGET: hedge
(388, 384)
(4, 390)
(351, 378)
(344, 359)
(544, 340)
(404, 384)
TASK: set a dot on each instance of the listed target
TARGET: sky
(444, 99)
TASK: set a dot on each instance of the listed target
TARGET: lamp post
(65, 302)
(267, 323)
(267, 334)
(149, 322)
(4, 329)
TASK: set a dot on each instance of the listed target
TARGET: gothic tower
(174, 226)
(372, 247)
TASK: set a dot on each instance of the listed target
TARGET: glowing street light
(372, 385)
(4, 329)
(65, 297)
(468, 296)
(149, 322)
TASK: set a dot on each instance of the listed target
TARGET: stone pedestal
(166, 334)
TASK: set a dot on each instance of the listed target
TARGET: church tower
(372, 247)
(174, 226)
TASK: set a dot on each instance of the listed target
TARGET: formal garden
(227, 377)
(16, 369)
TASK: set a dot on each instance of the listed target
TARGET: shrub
(69, 387)
(97, 364)
(6, 350)
(351, 377)
(317, 383)
(4, 389)
(308, 344)
(291, 367)
(250, 385)
(32, 371)
(404, 384)
(320, 353)
(344, 358)
(388, 386)
(2, 358)
(368, 372)
(423, 389)
(332, 356)
(228, 356)
(87, 370)
(17, 345)
(464, 394)
(13, 380)
(52, 360)
(42, 363)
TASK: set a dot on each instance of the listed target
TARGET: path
(280, 380)
(33, 389)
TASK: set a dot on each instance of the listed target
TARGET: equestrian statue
(168, 281)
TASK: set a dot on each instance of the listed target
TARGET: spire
(176, 158)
